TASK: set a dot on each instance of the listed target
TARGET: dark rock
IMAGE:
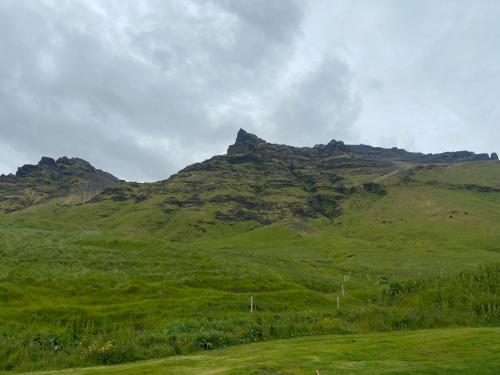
(334, 145)
(236, 214)
(37, 184)
(26, 170)
(326, 205)
(479, 188)
(63, 160)
(494, 156)
(49, 162)
(140, 198)
(248, 157)
(245, 142)
(374, 188)
(191, 201)
(119, 198)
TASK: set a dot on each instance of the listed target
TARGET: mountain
(266, 241)
(256, 183)
(259, 183)
(49, 179)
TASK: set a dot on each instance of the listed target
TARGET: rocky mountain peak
(245, 142)
(51, 178)
(65, 165)
(49, 162)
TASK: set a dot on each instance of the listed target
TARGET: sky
(143, 88)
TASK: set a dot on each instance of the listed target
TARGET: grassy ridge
(450, 351)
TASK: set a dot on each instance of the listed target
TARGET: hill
(330, 239)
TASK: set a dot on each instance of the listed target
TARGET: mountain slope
(257, 183)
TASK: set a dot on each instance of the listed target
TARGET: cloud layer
(143, 88)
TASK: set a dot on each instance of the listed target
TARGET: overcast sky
(144, 88)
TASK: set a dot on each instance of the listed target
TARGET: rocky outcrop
(37, 183)
(245, 143)
(494, 156)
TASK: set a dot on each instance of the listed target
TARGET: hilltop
(49, 179)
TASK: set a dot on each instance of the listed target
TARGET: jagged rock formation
(245, 143)
(249, 143)
(33, 184)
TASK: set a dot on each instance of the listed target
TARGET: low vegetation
(355, 241)
(442, 351)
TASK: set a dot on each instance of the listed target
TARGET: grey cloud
(318, 106)
(131, 86)
(143, 88)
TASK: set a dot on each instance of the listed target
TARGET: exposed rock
(119, 198)
(193, 200)
(140, 198)
(494, 156)
(26, 170)
(245, 142)
(479, 188)
(255, 148)
(49, 162)
(374, 188)
(325, 204)
(34, 184)
(334, 145)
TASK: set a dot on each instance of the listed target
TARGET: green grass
(443, 351)
(148, 283)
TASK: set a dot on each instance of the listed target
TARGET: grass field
(440, 351)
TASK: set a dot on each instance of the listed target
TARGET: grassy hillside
(332, 239)
(74, 294)
(449, 351)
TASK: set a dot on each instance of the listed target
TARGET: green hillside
(332, 239)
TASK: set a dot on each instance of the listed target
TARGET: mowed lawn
(439, 351)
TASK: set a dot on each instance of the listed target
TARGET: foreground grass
(441, 351)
